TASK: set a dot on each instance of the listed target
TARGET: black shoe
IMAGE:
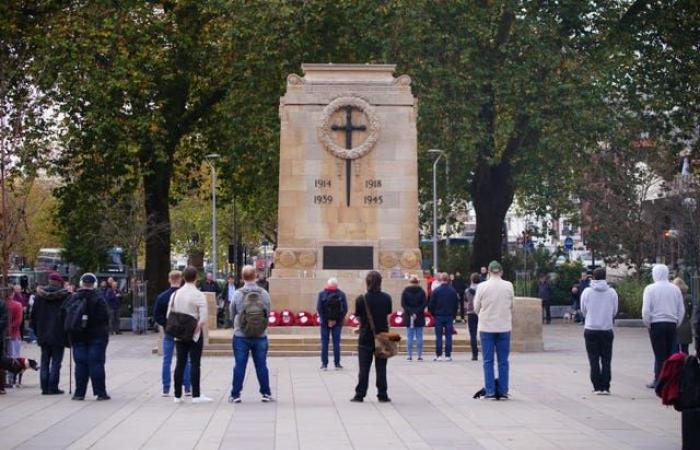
(652, 385)
(55, 392)
(475, 358)
(103, 397)
(78, 398)
(338, 367)
(383, 399)
(357, 399)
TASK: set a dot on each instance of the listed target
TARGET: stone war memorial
(348, 183)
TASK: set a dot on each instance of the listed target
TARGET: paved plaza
(551, 406)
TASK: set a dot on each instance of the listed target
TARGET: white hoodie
(662, 300)
(599, 305)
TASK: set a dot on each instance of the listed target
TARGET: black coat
(414, 301)
(460, 286)
(444, 301)
(98, 318)
(47, 317)
(4, 320)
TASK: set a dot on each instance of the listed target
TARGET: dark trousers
(690, 421)
(114, 320)
(365, 355)
(50, 370)
(662, 335)
(90, 366)
(2, 355)
(473, 324)
(443, 324)
(599, 346)
(461, 307)
(546, 311)
(335, 331)
(193, 351)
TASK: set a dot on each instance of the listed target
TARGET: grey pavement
(551, 407)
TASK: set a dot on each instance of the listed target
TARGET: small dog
(18, 366)
(482, 392)
(568, 317)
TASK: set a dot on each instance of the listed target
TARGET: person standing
(599, 306)
(472, 317)
(160, 312)
(443, 305)
(494, 305)
(544, 292)
(250, 309)
(90, 341)
(331, 306)
(227, 299)
(414, 301)
(483, 274)
(47, 323)
(662, 313)
(684, 333)
(4, 320)
(374, 306)
(15, 312)
(210, 285)
(191, 301)
(112, 306)
(460, 286)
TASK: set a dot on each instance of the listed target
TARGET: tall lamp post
(691, 205)
(210, 160)
(435, 239)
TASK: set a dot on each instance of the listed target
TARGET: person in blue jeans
(444, 302)
(414, 301)
(331, 306)
(160, 311)
(493, 303)
(246, 301)
(90, 343)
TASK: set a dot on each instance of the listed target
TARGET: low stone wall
(527, 325)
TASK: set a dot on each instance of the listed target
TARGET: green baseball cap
(495, 267)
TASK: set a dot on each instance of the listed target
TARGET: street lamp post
(435, 239)
(210, 158)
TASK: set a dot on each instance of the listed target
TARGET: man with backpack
(331, 306)
(250, 310)
(86, 321)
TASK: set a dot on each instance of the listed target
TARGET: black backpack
(689, 385)
(75, 308)
(332, 307)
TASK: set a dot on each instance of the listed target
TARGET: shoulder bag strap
(172, 301)
(369, 314)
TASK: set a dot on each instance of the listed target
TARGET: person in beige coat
(190, 300)
(493, 303)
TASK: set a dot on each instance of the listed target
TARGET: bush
(629, 293)
(563, 279)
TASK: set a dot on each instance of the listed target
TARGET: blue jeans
(50, 370)
(325, 335)
(500, 342)
(443, 323)
(168, 349)
(417, 334)
(90, 364)
(257, 347)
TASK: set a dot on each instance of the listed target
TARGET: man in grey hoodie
(662, 313)
(599, 306)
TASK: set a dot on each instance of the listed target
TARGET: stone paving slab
(551, 406)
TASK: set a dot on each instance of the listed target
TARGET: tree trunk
(156, 186)
(492, 193)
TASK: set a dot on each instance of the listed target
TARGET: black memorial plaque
(348, 258)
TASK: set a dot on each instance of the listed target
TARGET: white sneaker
(604, 393)
(165, 394)
(266, 398)
(201, 399)
(177, 400)
(234, 399)
(438, 358)
(449, 358)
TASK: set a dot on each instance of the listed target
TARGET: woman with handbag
(372, 310)
(186, 318)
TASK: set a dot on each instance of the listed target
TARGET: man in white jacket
(493, 303)
(599, 305)
(662, 312)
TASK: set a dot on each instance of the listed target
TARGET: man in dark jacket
(89, 343)
(47, 323)
(414, 301)
(331, 306)
(460, 286)
(210, 285)
(544, 292)
(443, 306)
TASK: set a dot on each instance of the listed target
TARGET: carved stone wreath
(325, 133)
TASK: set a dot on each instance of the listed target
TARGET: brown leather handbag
(385, 344)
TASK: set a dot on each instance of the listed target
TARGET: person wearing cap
(47, 323)
(414, 301)
(493, 303)
(90, 343)
(331, 306)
